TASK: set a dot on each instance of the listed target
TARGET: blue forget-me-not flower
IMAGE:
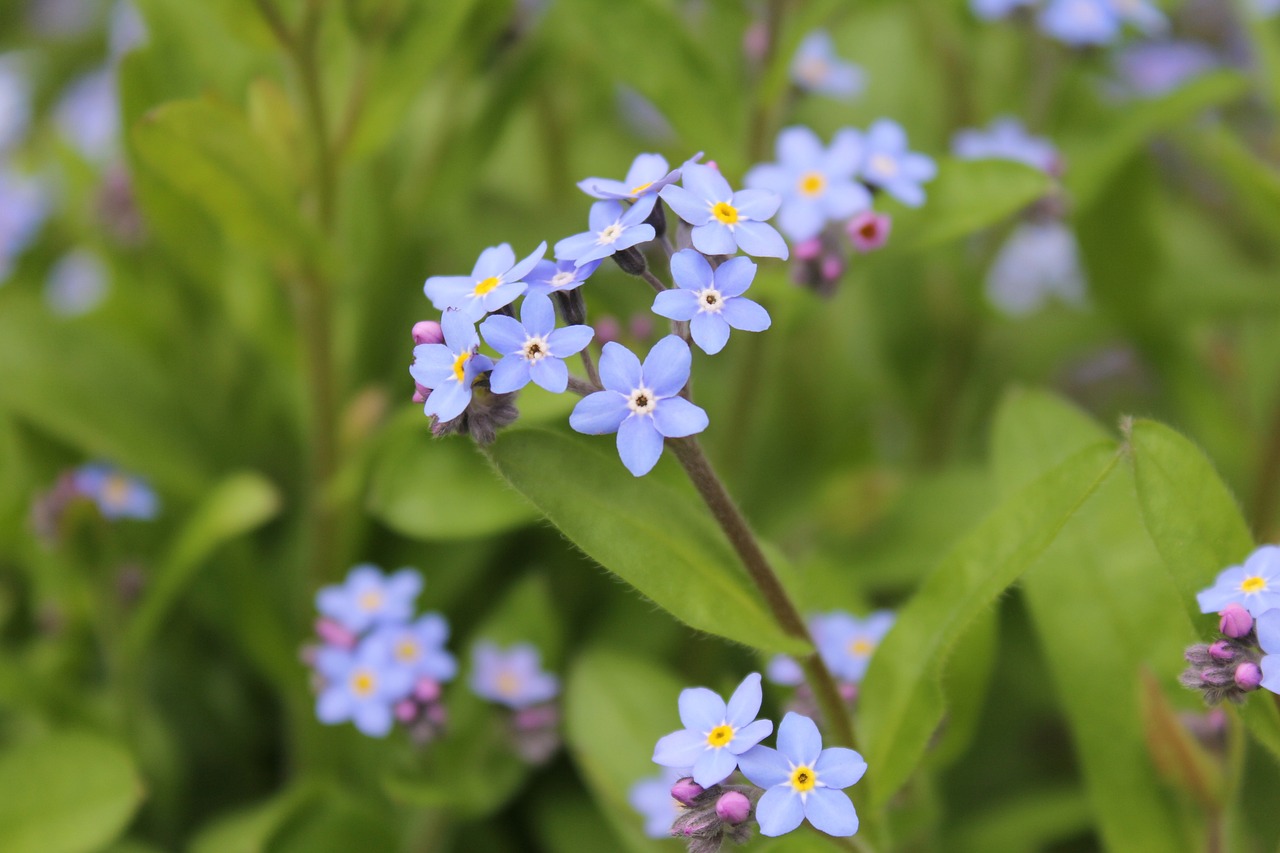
(724, 221)
(558, 276)
(846, 642)
(450, 369)
(647, 176)
(817, 68)
(888, 164)
(652, 799)
(817, 184)
(711, 300)
(117, 494)
(1255, 586)
(513, 677)
(715, 734)
(613, 227)
(1006, 139)
(496, 280)
(368, 597)
(361, 685)
(532, 348)
(418, 647)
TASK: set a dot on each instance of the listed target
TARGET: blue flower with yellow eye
(816, 183)
(724, 221)
(117, 494)
(418, 647)
(362, 686)
(1255, 586)
(715, 734)
(496, 280)
(450, 369)
(889, 165)
(513, 677)
(846, 642)
(368, 597)
(647, 176)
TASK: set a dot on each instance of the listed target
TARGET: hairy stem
(654, 281)
(589, 363)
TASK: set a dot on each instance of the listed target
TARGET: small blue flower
(714, 734)
(724, 221)
(817, 68)
(711, 300)
(1152, 69)
(991, 9)
(647, 176)
(418, 647)
(1255, 586)
(513, 677)
(846, 642)
(24, 204)
(816, 184)
(76, 285)
(1143, 14)
(1268, 628)
(784, 670)
(558, 276)
(891, 167)
(450, 369)
(652, 799)
(803, 780)
(641, 403)
(1006, 139)
(368, 598)
(613, 229)
(1039, 261)
(1080, 23)
(88, 114)
(361, 685)
(117, 494)
(496, 280)
(533, 347)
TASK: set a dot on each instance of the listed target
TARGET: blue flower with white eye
(361, 685)
(847, 642)
(532, 348)
(991, 9)
(1006, 139)
(558, 276)
(724, 221)
(715, 734)
(1268, 628)
(652, 799)
(816, 183)
(514, 677)
(1081, 23)
(803, 780)
(888, 164)
(450, 369)
(641, 403)
(368, 597)
(496, 280)
(817, 68)
(117, 494)
(613, 228)
(1255, 586)
(711, 300)
(647, 176)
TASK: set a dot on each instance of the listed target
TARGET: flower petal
(844, 199)
(449, 400)
(771, 177)
(800, 148)
(603, 214)
(838, 767)
(538, 315)
(510, 374)
(646, 169)
(619, 368)
(844, 157)
(714, 766)
(550, 374)
(459, 331)
(764, 766)
(666, 368)
(744, 704)
(433, 364)
(801, 219)
(334, 705)
(503, 333)
(686, 205)
(1268, 628)
(676, 417)
(639, 445)
(639, 211)
(503, 294)
(759, 239)
(748, 736)
(691, 270)
(706, 183)
(710, 332)
(734, 276)
(714, 238)
(799, 739)
(373, 719)
(445, 291)
(680, 749)
(572, 248)
(831, 811)
(744, 314)
(756, 204)
(599, 413)
(887, 136)
(570, 340)
(701, 710)
(632, 236)
(520, 270)
(494, 261)
(676, 304)
(779, 811)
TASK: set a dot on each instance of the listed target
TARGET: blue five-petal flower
(1255, 586)
(893, 168)
(450, 369)
(496, 280)
(361, 685)
(532, 347)
(714, 734)
(368, 597)
(816, 183)
(613, 229)
(724, 221)
(647, 176)
(711, 301)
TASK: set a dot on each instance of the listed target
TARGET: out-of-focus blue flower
(127, 29)
(418, 647)
(76, 285)
(816, 184)
(1081, 23)
(88, 114)
(642, 115)
(641, 403)
(496, 280)
(1039, 261)
(613, 228)
(711, 300)
(714, 734)
(450, 369)
(117, 494)
(532, 348)
(555, 276)
(991, 9)
(803, 780)
(647, 176)
(1151, 69)
(24, 204)
(652, 799)
(724, 221)
(1268, 628)
(1143, 14)
(847, 642)
(817, 68)
(15, 100)
(368, 598)
(1255, 586)
(362, 686)
(1006, 139)
(514, 677)
(1265, 8)
(784, 670)
(888, 164)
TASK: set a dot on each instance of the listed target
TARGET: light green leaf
(66, 793)
(250, 830)
(653, 537)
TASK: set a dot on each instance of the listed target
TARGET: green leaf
(66, 793)
(435, 489)
(250, 830)
(1029, 824)
(653, 537)
(903, 701)
(240, 503)
(339, 824)
(967, 196)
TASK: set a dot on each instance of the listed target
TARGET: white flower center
(561, 279)
(609, 235)
(885, 165)
(710, 301)
(642, 401)
(813, 70)
(535, 348)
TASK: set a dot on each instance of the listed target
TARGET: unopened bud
(832, 268)
(427, 332)
(1235, 622)
(733, 807)
(573, 308)
(1248, 676)
(426, 690)
(685, 791)
(421, 393)
(631, 261)
(406, 710)
(1222, 650)
(807, 250)
(658, 219)
(334, 634)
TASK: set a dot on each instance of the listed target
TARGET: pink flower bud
(607, 329)
(832, 268)
(640, 326)
(426, 690)
(808, 250)
(406, 710)
(1235, 622)
(1248, 676)
(1222, 650)
(685, 791)
(427, 332)
(733, 807)
(868, 230)
(421, 393)
(334, 634)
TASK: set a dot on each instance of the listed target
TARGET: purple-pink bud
(808, 250)
(427, 332)
(406, 710)
(426, 690)
(1248, 676)
(537, 717)
(334, 634)
(755, 42)
(832, 268)
(1222, 650)
(685, 791)
(868, 230)
(421, 393)
(848, 692)
(733, 807)
(640, 326)
(608, 330)
(1235, 622)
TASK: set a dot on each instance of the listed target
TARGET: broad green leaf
(903, 701)
(440, 488)
(239, 504)
(1029, 824)
(653, 537)
(66, 793)
(337, 824)
(967, 196)
(250, 830)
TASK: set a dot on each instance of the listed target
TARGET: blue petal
(734, 276)
(1271, 673)
(887, 137)
(710, 332)
(542, 273)
(799, 739)
(744, 704)
(801, 218)
(572, 248)
(714, 766)
(839, 767)
(449, 400)
(676, 417)
(373, 719)
(433, 364)
(905, 191)
(666, 368)
(551, 374)
(756, 204)
(510, 374)
(701, 710)
(630, 237)
(680, 749)
(749, 735)
(761, 240)
(714, 238)
(799, 148)
(459, 331)
(691, 270)
(844, 199)
(603, 214)
(639, 445)
(831, 812)
(503, 294)
(845, 155)
(599, 413)
(520, 270)
(771, 177)
(779, 811)
(446, 291)
(676, 304)
(503, 333)
(686, 205)
(706, 183)
(538, 315)
(918, 167)
(1268, 628)
(640, 210)
(603, 188)
(333, 706)
(570, 340)
(619, 368)
(646, 169)
(493, 262)
(742, 313)
(764, 766)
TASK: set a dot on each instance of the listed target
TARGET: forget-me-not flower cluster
(1081, 23)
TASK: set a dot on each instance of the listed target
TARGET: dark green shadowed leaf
(651, 536)
(66, 793)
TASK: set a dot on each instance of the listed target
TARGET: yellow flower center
(725, 212)
(861, 647)
(803, 779)
(460, 366)
(362, 683)
(116, 490)
(1253, 584)
(719, 736)
(508, 683)
(407, 650)
(641, 188)
(371, 600)
(812, 184)
(483, 287)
